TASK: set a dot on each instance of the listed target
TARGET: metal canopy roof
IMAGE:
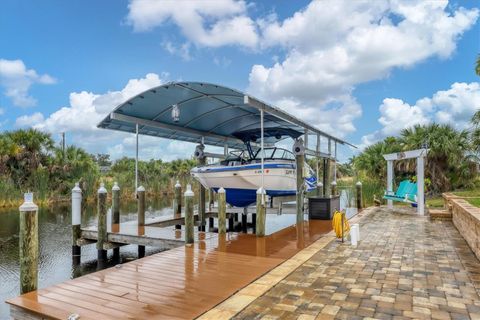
(210, 112)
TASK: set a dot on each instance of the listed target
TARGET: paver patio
(405, 266)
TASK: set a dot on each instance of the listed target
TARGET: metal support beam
(156, 124)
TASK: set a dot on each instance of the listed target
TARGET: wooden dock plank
(181, 283)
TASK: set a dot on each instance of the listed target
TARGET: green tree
(448, 164)
(477, 66)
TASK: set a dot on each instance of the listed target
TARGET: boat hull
(242, 182)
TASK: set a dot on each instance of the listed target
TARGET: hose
(337, 224)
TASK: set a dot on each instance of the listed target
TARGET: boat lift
(210, 114)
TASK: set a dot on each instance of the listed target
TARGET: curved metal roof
(214, 113)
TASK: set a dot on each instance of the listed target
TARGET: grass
(436, 202)
(467, 193)
(474, 202)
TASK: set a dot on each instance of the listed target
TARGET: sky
(357, 70)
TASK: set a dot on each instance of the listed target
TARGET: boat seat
(406, 192)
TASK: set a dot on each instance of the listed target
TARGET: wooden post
(141, 216)
(333, 186)
(177, 203)
(116, 216)
(326, 176)
(319, 189)
(254, 222)
(28, 245)
(211, 199)
(201, 199)
(76, 222)
(102, 225)
(299, 151)
(115, 204)
(189, 215)
(358, 186)
(244, 220)
(222, 211)
(260, 223)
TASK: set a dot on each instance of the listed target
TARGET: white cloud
(29, 120)
(332, 46)
(454, 106)
(16, 80)
(397, 115)
(2, 111)
(86, 110)
(328, 48)
(183, 51)
(211, 23)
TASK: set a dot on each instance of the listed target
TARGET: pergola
(420, 155)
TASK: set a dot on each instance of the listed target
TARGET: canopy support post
(390, 182)
(335, 164)
(262, 156)
(136, 158)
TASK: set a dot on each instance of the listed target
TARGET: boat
(240, 173)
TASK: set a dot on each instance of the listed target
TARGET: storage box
(322, 208)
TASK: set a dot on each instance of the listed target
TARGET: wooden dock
(181, 283)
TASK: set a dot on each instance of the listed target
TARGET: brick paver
(405, 266)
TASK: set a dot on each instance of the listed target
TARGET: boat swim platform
(181, 283)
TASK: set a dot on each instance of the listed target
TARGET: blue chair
(406, 192)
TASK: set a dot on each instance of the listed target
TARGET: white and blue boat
(240, 174)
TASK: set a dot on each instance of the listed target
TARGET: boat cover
(211, 113)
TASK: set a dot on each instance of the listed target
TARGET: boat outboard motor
(199, 153)
(298, 147)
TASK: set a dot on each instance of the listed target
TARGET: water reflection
(55, 242)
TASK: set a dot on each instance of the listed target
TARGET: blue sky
(361, 71)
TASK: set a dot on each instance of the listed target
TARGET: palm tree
(477, 66)
(447, 164)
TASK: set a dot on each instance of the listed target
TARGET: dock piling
(116, 215)
(333, 188)
(211, 199)
(319, 188)
(101, 225)
(141, 216)
(201, 199)
(244, 220)
(28, 245)
(222, 211)
(177, 203)
(358, 187)
(189, 215)
(76, 222)
(260, 223)
(299, 151)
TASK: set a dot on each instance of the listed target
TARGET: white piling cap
(358, 184)
(115, 186)
(76, 188)
(319, 184)
(261, 191)
(141, 189)
(221, 190)
(334, 183)
(28, 204)
(178, 185)
(102, 188)
(189, 192)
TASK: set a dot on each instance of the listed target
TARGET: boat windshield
(241, 156)
(274, 154)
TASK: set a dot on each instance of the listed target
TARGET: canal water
(55, 263)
